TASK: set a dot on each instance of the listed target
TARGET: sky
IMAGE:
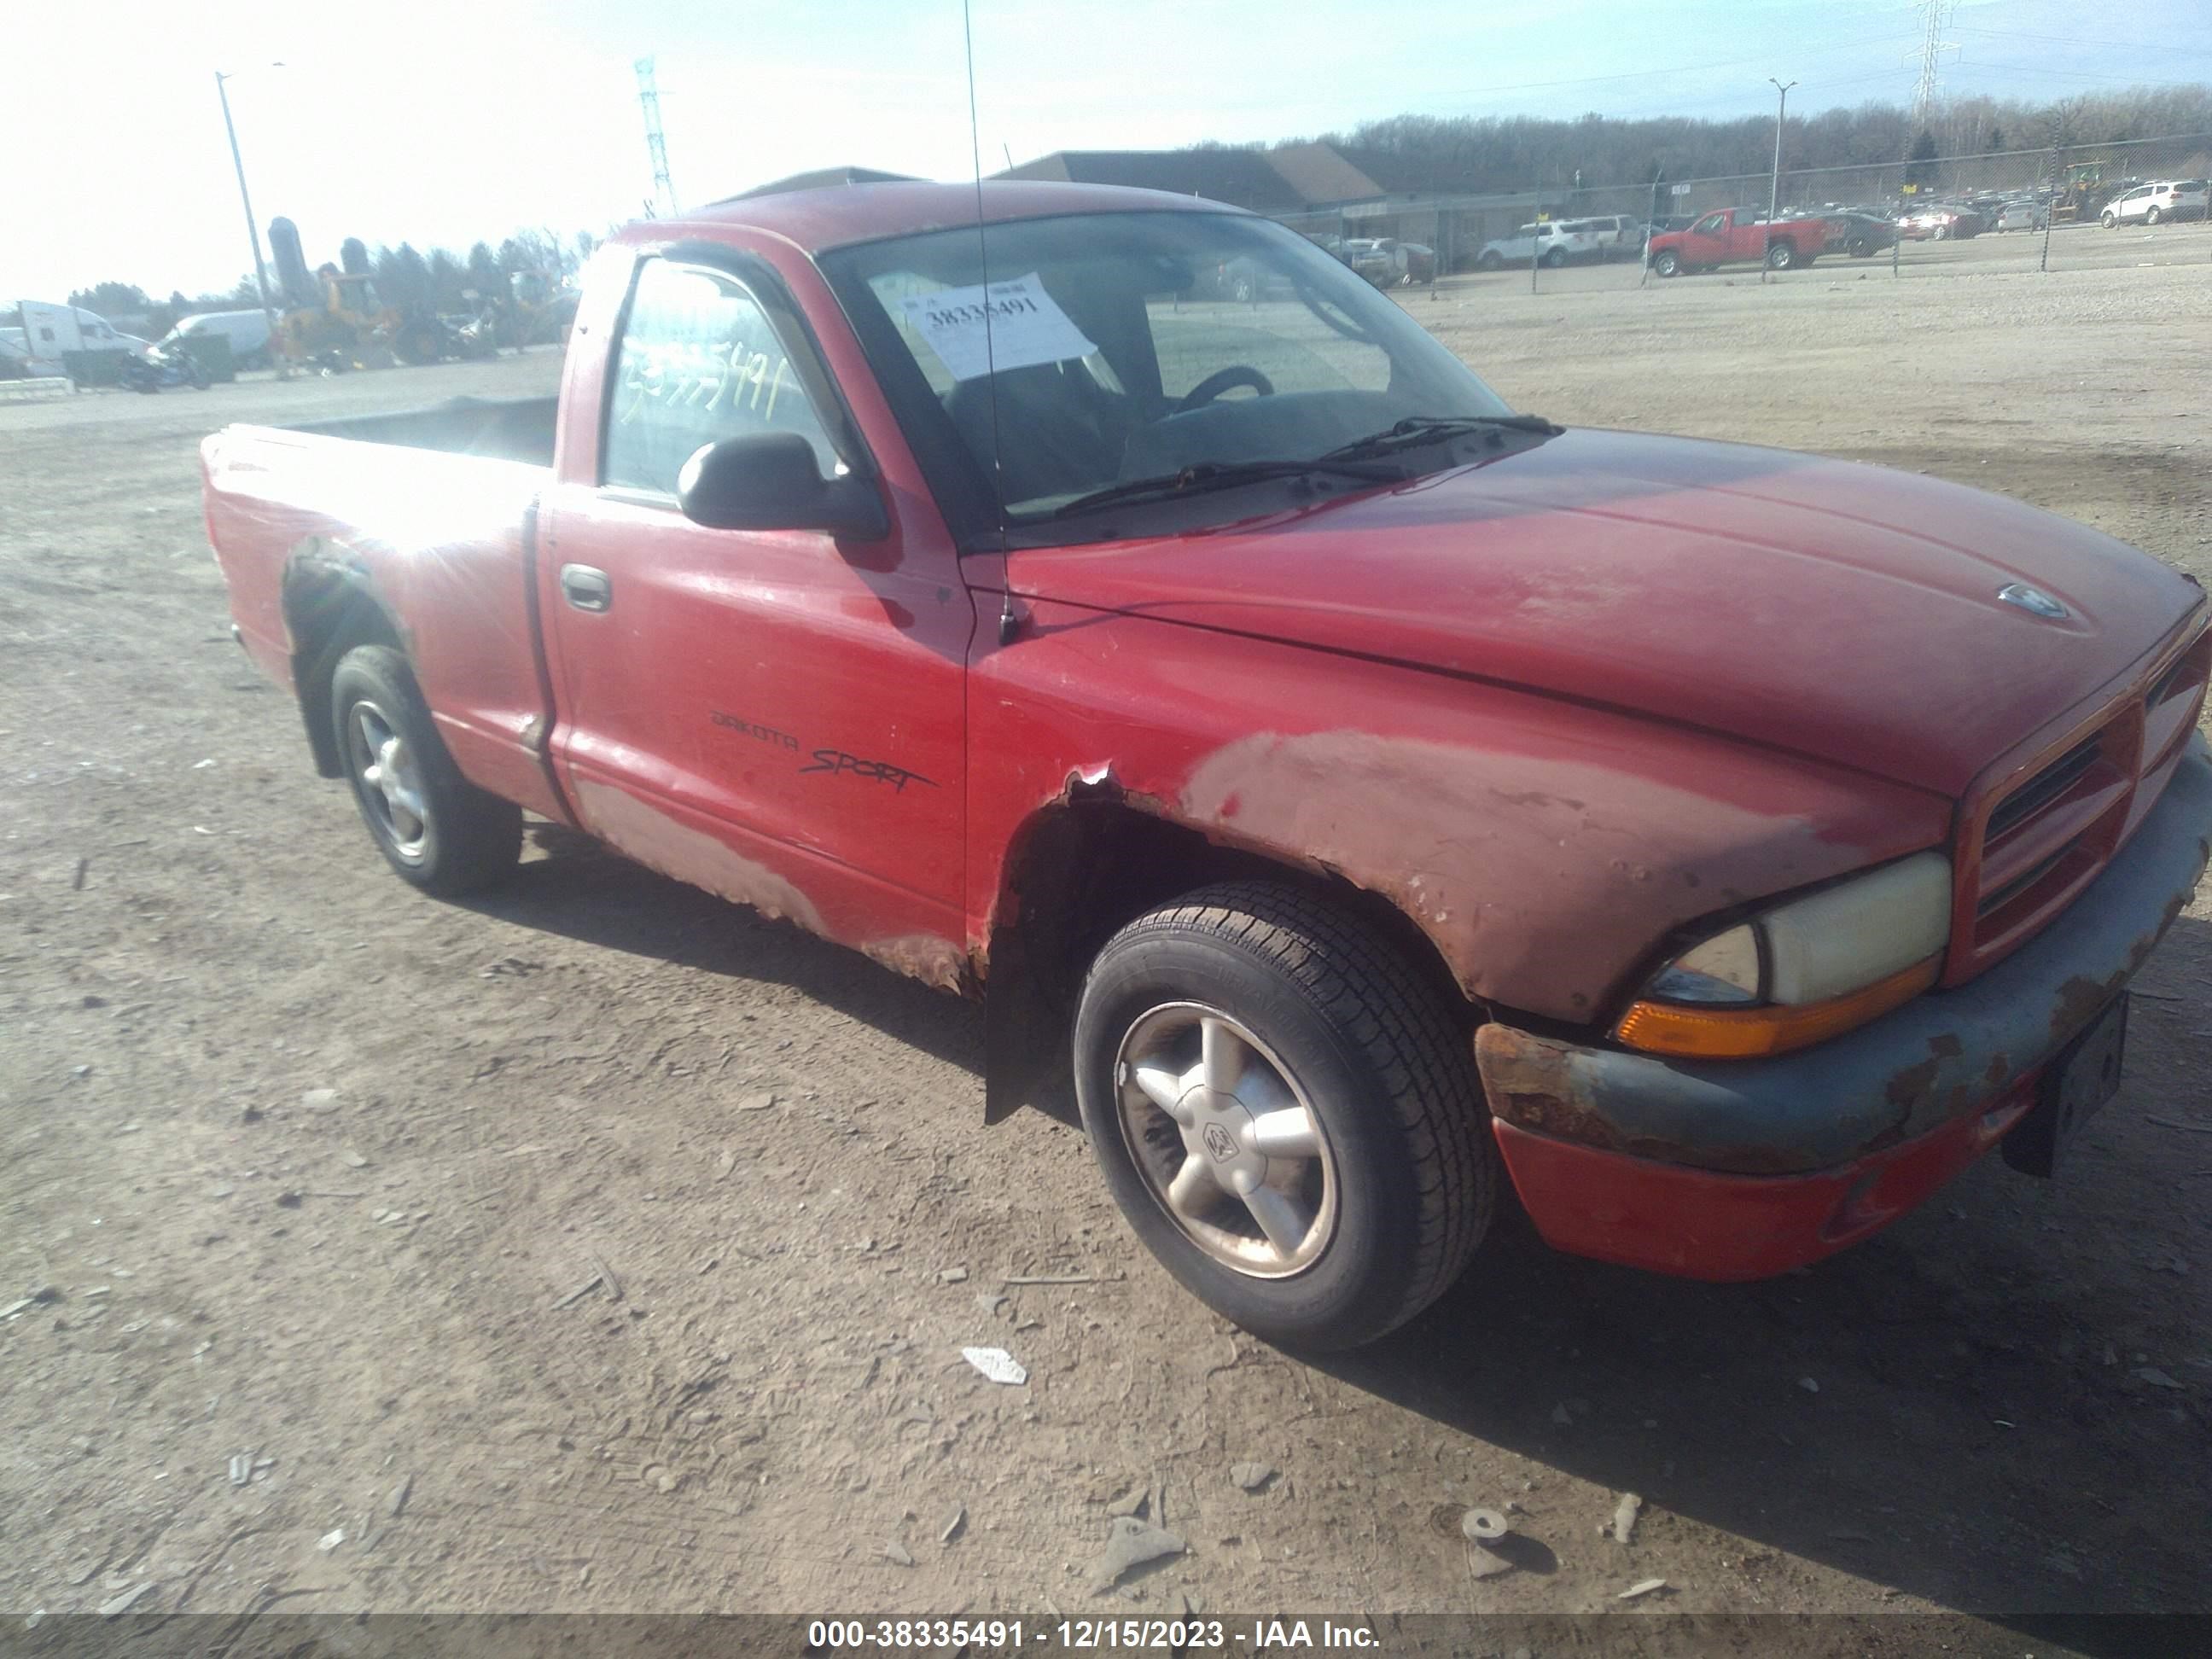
(441, 122)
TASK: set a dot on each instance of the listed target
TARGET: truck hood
(1845, 612)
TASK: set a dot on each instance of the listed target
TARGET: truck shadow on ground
(1954, 1408)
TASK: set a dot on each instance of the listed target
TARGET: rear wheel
(1556, 257)
(435, 828)
(1781, 257)
(2153, 216)
(1286, 1113)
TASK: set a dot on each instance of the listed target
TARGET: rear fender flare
(331, 603)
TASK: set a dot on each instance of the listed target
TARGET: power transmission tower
(1936, 16)
(648, 98)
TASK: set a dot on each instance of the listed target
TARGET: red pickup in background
(1735, 236)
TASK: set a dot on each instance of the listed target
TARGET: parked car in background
(1738, 236)
(1387, 263)
(2148, 204)
(2023, 215)
(1553, 242)
(1859, 234)
(1371, 257)
(1246, 280)
(1619, 236)
(1939, 221)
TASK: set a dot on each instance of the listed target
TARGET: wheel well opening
(1084, 870)
(327, 613)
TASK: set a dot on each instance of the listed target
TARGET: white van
(246, 331)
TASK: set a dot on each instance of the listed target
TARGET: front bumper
(1742, 1169)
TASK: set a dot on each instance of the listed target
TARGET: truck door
(775, 715)
(1706, 242)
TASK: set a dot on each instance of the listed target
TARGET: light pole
(252, 229)
(1774, 187)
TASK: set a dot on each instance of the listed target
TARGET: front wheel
(1285, 1112)
(436, 829)
(2109, 221)
(1668, 263)
(1491, 261)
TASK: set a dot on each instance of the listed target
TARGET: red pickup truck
(1366, 791)
(1735, 236)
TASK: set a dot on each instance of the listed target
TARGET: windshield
(1128, 345)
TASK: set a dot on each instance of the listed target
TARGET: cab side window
(698, 361)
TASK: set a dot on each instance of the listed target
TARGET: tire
(1242, 291)
(1554, 259)
(2111, 222)
(1332, 1026)
(1492, 261)
(1861, 249)
(462, 838)
(1668, 263)
(2153, 216)
(1781, 257)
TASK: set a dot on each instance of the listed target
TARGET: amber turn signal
(1666, 1028)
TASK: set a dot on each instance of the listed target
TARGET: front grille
(2046, 838)
(2042, 789)
(1991, 903)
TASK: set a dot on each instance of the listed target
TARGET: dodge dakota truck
(1365, 794)
(1735, 236)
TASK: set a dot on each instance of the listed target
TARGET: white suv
(2171, 198)
(1550, 243)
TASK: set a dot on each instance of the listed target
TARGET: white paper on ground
(1027, 327)
(997, 1365)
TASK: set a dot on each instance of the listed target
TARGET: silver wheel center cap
(1220, 1132)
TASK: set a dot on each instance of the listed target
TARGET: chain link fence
(2140, 202)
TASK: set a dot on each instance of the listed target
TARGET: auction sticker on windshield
(1026, 327)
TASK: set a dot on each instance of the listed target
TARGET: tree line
(406, 278)
(1481, 154)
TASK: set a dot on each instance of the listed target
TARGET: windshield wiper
(1221, 475)
(1427, 429)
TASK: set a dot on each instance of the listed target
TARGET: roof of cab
(817, 218)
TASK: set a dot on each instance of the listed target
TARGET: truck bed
(425, 514)
(501, 428)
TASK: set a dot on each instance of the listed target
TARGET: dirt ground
(370, 1295)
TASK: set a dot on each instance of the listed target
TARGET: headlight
(1802, 971)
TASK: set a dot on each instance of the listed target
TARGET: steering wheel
(1221, 380)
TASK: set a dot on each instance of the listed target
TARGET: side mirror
(770, 481)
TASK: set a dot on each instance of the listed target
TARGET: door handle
(586, 588)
